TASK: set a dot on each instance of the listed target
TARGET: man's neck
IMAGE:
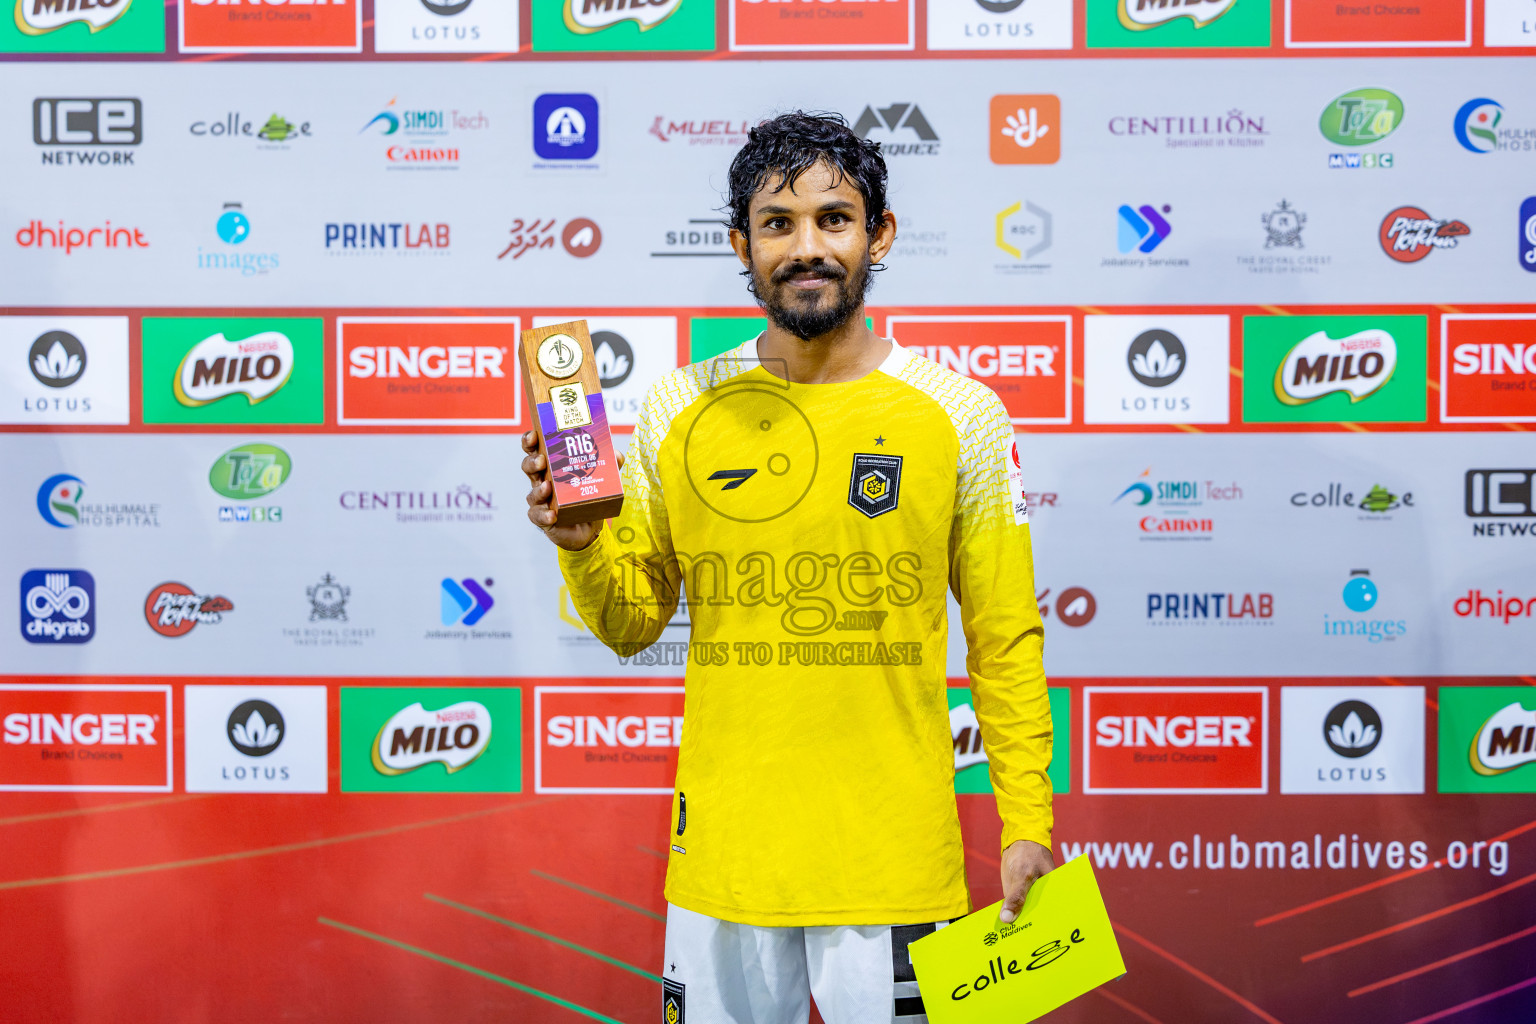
(845, 353)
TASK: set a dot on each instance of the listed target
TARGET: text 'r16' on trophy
(560, 378)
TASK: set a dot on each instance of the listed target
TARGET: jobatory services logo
(232, 370)
(58, 606)
(1408, 234)
(1231, 609)
(1360, 596)
(999, 24)
(1487, 739)
(246, 472)
(1141, 229)
(233, 227)
(90, 238)
(431, 739)
(1335, 369)
(1025, 129)
(566, 130)
(1501, 502)
(91, 132)
(83, 26)
(1352, 739)
(623, 25)
(63, 370)
(255, 739)
(971, 766)
(1361, 117)
(274, 26)
(174, 609)
(1232, 129)
(452, 371)
(1177, 23)
(1169, 508)
(758, 25)
(606, 739)
(462, 604)
(1145, 369)
(60, 502)
(1026, 359)
(444, 26)
(1170, 739)
(1488, 367)
(901, 129)
(275, 133)
(1497, 607)
(85, 738)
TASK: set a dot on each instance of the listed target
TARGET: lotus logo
(1318, 366)
(218, 367)
(1506, 741)
(453, 736)
(1476, 125)
(39, 17)
(1156, 358)
(1352, 729)
(255, 728)
(615, 358)
(1139, 15)
(446, 8)
(588, 16)
(57, 359)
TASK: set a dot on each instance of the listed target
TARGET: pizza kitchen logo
(1140, 15)
(588, 16)
(1408, 234)
(1358, 365)
(175, 609)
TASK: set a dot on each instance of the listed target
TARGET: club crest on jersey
(875, 484)
(673, 1006)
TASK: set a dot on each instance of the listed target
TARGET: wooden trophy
(560, 379)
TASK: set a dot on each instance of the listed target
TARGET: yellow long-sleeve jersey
(813, 529)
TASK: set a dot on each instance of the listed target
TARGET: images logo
(1487, 739)
(1476, 125)
(431, 739)
(1357, 365)
(195, 367)
(465, 603)
(1361, 117)
(1168, 739)
(1408, 234)
(587, 16)
(565, 126)
(1360, 595)
(233, 227)
(1026, 129)
(898, 118)
(57, 359)
(66, 123)
(173, 609)
(1139, 15)
(275, 133)
(1142, 229)
(1330, 369)
(58, 606)
(86, 738)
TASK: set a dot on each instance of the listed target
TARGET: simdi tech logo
(449, 371)
(232, 370)
(1335, 369)
(971, 768)
(420, 739)
(93, 132)
(444, 26)
(63, 370)
(1177, 23)
(566, 26)
(1170, 739)
(1487, 739)
(1027, 360)
(1361, 117)
(58, 606)
(85, 738)
(83, 26)
(822, 25)
(271, 26)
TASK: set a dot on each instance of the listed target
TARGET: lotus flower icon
(1156, 358)
(1157, 362)
(57, 364)
(1352, 729)
(255, 732)
(1352, 733)
(255, 728)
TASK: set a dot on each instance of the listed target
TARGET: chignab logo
(1361, 117)
(1138, 15)
(412, 737)
(217, 367)
(250, 471)
(1506, 741)
(588, 16)
(37, 17)
(1358, 365)
(1476, 123)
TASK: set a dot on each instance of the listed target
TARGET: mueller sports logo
(894, 126)
(1408, 234)
(218, 367)
(1202, 609)
(1169, 739)
(607, 739)
(704, 132)
(1488, 367)
(70, 126)
(1505, 741)
(346, 239)
(1494, 497)
(58, 606)
(1139, 15)
(38, 17)
(85, 738)
(453, 736)
(424, 370)
(588, 16)
(174, 609)
(1476, 604)
(1358, 365)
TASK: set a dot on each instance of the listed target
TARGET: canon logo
(86, 730)
(993, 360)
(1178, 731)
(431, 361)
(628, 731)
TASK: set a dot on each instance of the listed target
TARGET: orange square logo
(271, 26)
(425, 371)
(1025, 129)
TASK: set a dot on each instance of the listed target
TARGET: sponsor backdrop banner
(297, 720)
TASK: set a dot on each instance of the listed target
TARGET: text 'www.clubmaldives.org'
(1339, 852)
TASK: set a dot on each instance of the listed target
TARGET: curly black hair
(791, 144)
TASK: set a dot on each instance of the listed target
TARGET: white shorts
(719, 972)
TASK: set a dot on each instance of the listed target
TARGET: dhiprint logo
(894, 125)
(35, 235)
(1140, 15)
(465, 602)
(1352, 739)
(217, 367)
(1502, 609)
(58, 606)
(1476, 125)
(1358, 365)
(57, 359)
(565, 126)
(67, 123)
(174, 609)
(1352, 729)
(1169, 739)
(1408, 234)
(1360, 595)
(255, 728)
(1142, 229)
(1156, 358)
(1025, 129)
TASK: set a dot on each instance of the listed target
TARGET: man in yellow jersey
(814, 492)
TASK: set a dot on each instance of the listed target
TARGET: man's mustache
(822, 269)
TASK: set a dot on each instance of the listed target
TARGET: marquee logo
(1168, 739)
(86, 738)
(218, 367)
(1139, 15)
(35, 17)
(898, 122)
(58, 606)
(1358, 365)
(1506, 741)
(1408, 234)
(174, 609)
(453, 736)
(587, 16)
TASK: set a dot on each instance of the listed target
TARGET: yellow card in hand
(1060, 947)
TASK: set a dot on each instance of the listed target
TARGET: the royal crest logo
(1506, 741)
(1358, 365)
(36, 17)
(218, 367)
(587, 16)
(874, 486)
(1408, 234)
(412, 737)
(1139, 15)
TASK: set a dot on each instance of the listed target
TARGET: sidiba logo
(1361, 117)
(465, 602)
(1142, 228)
(57, 359)
(174, 609)
(255, 728)
(1358, 365)
(453, 736)
(58, 606)
(218, 367)
(1140, 15)
(250, 471)
(1476, 125)
(1408, 234)
(588, 16)
(1352, 729)
(37, 17)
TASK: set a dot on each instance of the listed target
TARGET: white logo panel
(1352, 739)
(63, 369)
(444, 26)
(1156, 369)
(256, 739)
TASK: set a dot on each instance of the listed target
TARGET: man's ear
(742, 246)
(883, 238)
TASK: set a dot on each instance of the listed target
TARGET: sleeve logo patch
(1016, 496)
(673, 1005)
(875, 484)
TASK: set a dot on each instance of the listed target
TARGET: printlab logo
(233, 228)
(1026, 129)
(57, 359)
(174, 609)
(895, 126)
(565, 128)
(581, 237)
(59, 503)
(277, 132)
(1347, 739)
(1023, 231)
(1360, 596)
(1142, 229)
(1408, 234)
(1156, 358)
(58, 606)
(87, 131)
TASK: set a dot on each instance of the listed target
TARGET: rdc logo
(58, 606)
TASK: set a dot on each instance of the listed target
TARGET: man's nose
(809, 243)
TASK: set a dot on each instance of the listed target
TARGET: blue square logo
(1528, 234)
(58, 606)
(565, 126)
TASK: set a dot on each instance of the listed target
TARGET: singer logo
(453, 736)
(1169, 739)
(605, 739)
(90, 738)
(822, 24)
(425, 370)
(271, 26)
(1319, 365)
(1026, 359)
(1488, 368)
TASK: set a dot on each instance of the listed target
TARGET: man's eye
(837, 219)
(777, 222)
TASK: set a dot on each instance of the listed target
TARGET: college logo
(1344, 739)
(971, 771)
(425, 370)
(894, 126)
(831, 25)
(1329, 369)
(1169, 739)
(63, 369)
(255, 739)
(58, 606)
(223, 26)
(1499, 495)
(1027, 360)
(1139, 15)
(173, 609)
(85, 738)
(1360, 595)
(565, 126)
(65, 123)
(1141, 369)
(874, 485)
(1496, 606)
(1025, 129)
(1376, 502)
(232, 370)
(1408, 234)
(233, 227)
(1487, 739)
(431, 739)
(1142, 229)
(605, 739)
